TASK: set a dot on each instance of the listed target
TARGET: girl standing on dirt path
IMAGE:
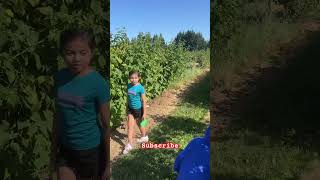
(136, 110)
(81, 94)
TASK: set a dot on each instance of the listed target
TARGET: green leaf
(95, 5)
(37, 60)
(26, 60)
(69, 1)
(42, 153)
(8, 65)
(5, 136)
(119, 60)
(15, 146)
(41, 79)
(11, 76)
(36, 116)
(9, 13)
(32, 97)
(36, 107)
(12, 99)
(102, 61)
(33, 2)
(48, 115)
(52, 35)
(23, 124)
(45, 10)
(33, 38)
(6, 174)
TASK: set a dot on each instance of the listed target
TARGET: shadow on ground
(274, 121)
(117, 136)
(198, 94)
(283, 102)
(178, 127)
(231, 177)
(145, 164)
(174, 126)
(158, 163)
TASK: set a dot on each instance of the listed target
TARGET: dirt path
(227, 104)
(275, 96)
(157, 110)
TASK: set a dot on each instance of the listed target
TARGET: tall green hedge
(228, 17)
(298, 8)
(29, 35)
(158, 63)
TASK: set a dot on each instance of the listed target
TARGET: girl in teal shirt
(82, 94)
(136, 109)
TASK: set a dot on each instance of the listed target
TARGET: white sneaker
(127, 149)
(143, 139)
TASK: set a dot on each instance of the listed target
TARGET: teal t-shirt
(134, 95)
(77, 101)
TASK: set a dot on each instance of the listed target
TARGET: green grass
(185, 123)
(192, 71)
(275, 134)
(250, 47)
(185, 77)
(315, 14)
(274, 131)
(248, 155)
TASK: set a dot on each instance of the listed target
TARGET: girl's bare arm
(105, 117)
(127, 105)
(105, 121)
(144, 102)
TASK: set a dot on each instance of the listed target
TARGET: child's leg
(143, 130)
(65, 173)
(130, 128)
(63, 160)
